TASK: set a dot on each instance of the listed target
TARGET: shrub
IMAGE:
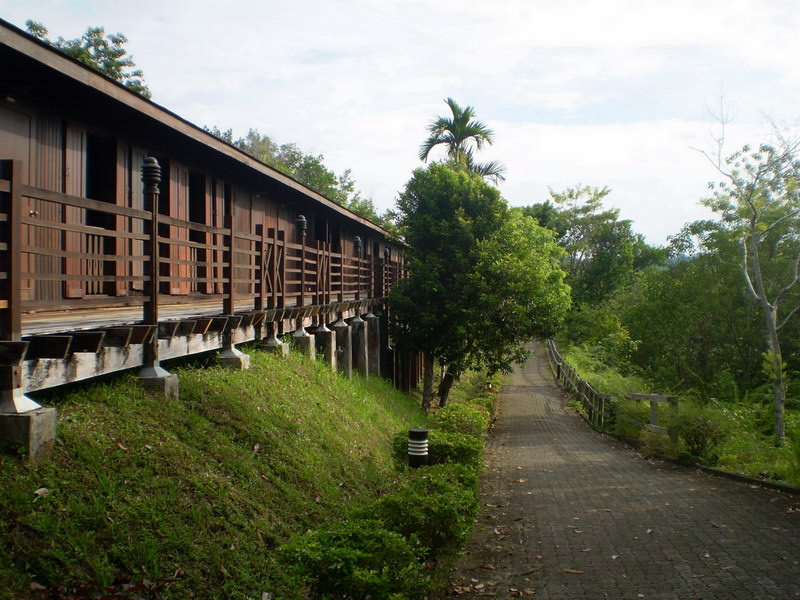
(629, 418)
(460, 418)
(701, 429)
(484, 402)
(355, 559)
(443, 448)
(434, 506)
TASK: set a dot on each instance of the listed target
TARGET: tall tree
(483, 279)
(601, 249)
(759, 203)
(462, 134)
(103, 52)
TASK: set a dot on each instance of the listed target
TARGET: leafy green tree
(602, 251)
(759, 204)
(483, 279)
(103, 52)
(462, 134)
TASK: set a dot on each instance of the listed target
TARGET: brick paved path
(569, 514)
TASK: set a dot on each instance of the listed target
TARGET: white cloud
(578, 91)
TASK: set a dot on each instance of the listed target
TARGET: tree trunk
(778, 386)
(445, 385)
(775, 356)
(427, 381)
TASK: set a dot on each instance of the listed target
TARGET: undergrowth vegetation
(237, 489)
(733, 435)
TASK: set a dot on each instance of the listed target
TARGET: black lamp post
(302, 227)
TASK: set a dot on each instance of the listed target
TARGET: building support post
(360, 358)
(272, 344)
(326, 343)
(344, 345)
(304, 341)
(372, 323)
(22, 421)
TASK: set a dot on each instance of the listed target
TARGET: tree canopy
(602, 252)
(103, 52)
(483, 278)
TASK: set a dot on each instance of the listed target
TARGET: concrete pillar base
(373, 344)
(276, 347)
(344, 344)
(326, 345)
(304, 342)
(160, 381)
(360, 357)
(35, 430)
(232, 358)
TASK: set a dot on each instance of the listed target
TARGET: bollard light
(417, 447)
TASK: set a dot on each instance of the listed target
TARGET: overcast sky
(610, 93)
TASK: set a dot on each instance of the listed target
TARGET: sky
(624, 94)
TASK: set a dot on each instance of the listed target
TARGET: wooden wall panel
(49, 174)
(122, 266)
(74, 184)
(16, 141)
(136, 200)
(179, 209)
(242, 222)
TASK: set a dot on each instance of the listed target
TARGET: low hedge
(357, 559)
(443, 448)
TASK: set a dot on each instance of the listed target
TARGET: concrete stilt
(344, 345)
(35, 430)
(360, 358)
(304, 342)
(160, 381)
(326, 344)
(373, 344)
(272, 343)
(233, 358)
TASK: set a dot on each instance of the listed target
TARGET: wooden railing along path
(599, 408)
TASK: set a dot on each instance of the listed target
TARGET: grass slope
(199, 489)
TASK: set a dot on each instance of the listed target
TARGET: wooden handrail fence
(599, 408)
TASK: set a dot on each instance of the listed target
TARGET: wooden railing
(599, 408)
(596, 406)
(51, 259)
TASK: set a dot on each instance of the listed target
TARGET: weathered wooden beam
(201, 325)
(185, 327)
(167, 329)
(12, 353)
(118, 337)
(50, 346)
(233, 322)
(87, 341)
(218, 324)
(142, 334)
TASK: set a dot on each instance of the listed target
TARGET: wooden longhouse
(99, 274)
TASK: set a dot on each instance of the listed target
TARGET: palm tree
(462, 134)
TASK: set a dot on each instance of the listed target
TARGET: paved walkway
(569, 514)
